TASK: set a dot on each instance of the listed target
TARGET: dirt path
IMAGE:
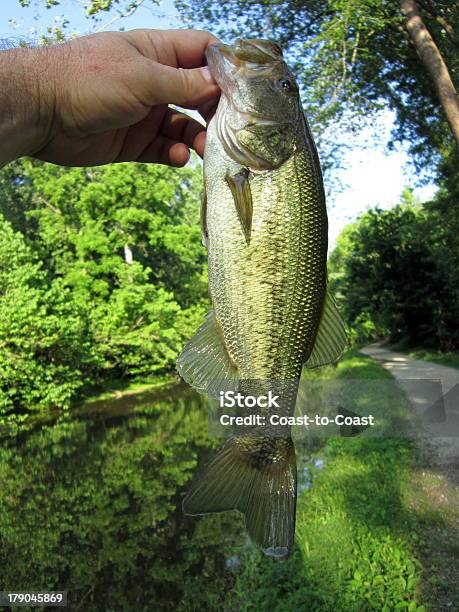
(433, 391)
(434, 496)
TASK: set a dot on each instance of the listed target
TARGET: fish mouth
(244, 56)
(252, 50)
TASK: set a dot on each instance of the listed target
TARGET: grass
(435, 499)
(450, 359)
(361, 540)
(446, 359)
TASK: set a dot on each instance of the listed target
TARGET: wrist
(26, 101)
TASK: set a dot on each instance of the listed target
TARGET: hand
(103, 98)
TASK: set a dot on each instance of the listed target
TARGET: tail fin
(257, 476)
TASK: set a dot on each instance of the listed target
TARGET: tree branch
(127, 13)
(433, 62)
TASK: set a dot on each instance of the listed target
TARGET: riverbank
(94, 398)
(115, 389)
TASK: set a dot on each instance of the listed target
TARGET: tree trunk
(433, 61)
(128, 257)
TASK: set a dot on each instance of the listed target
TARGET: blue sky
(31, 21)
(370, 175)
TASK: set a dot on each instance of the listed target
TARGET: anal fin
(205, 363)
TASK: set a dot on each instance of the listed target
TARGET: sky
(370, 175)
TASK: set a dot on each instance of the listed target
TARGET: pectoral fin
(331, 336)
(240, 188)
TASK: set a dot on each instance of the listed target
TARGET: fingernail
(207, 76)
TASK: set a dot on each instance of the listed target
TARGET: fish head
(261, 101)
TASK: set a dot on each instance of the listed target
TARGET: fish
(264, 223)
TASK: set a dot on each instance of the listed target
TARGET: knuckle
(206, 34)
(186, 81)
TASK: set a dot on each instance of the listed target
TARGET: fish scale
(264, 223)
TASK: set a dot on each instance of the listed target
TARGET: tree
(104, 276)
(394, 276)
(45, 340)
(433, 61)
(353, 57)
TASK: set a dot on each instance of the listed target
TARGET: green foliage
(44, 341)
(100, 5)
(395, 275)
(103, 277)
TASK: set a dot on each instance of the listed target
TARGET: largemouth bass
(264, 223)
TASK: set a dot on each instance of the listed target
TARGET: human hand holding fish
(104, 98)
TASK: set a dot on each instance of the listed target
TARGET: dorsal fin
(331, 339)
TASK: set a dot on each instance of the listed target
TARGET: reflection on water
(90, 502)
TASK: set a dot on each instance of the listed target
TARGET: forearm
(26, 107)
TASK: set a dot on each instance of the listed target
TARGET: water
(90, 503)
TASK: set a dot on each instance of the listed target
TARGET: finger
(166, 151)
(181, 127)
(207, 109)
(165, 85)
(200, 143)
(163, 122)
(177, 48)
(178, 154)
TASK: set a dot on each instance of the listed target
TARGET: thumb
(184, 87)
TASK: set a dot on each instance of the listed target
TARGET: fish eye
(286, 85)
